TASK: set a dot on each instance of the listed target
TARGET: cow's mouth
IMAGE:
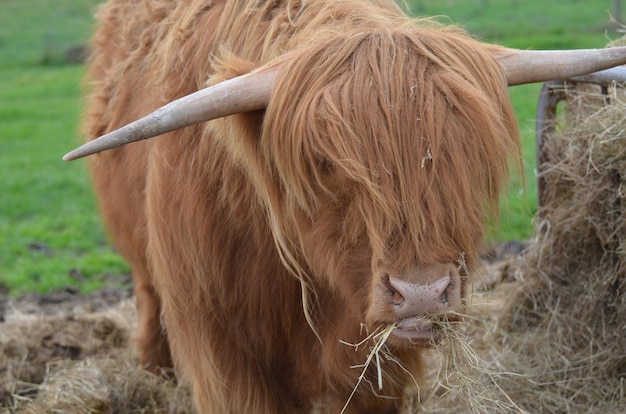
(418, 330)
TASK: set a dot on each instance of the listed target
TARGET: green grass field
(50, 233)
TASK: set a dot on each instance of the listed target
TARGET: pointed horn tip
(69, 157)
(77, 153)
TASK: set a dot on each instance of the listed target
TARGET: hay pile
(567, 323)
(79, 361)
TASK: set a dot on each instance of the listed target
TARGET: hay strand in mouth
(379, 336)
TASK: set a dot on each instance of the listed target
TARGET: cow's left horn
(526, 66)
(245, 93)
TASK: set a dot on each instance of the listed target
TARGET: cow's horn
(245, 93)
(526, 66)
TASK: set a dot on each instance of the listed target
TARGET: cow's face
(388, 163)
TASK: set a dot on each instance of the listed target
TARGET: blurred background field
(50, 233)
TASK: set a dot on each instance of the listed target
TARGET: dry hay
(78, 361)
(567, 323)
(466, 370)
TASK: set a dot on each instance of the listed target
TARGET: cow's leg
(150, 336)
(226, 377)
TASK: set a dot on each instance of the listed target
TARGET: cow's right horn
(245, 93)
(528, 66)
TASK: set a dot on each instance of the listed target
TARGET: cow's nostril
(395, 298)
(444, 296)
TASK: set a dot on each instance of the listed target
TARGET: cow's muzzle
(417, 301)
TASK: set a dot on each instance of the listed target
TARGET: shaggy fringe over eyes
(415, 122)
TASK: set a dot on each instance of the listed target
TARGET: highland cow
(341, 188)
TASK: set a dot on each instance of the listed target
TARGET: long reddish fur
(385, 140)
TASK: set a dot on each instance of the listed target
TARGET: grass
(50, 232)
(548, 24)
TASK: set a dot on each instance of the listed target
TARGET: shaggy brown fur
(385, 142)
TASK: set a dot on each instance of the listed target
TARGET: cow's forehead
(421, 137)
